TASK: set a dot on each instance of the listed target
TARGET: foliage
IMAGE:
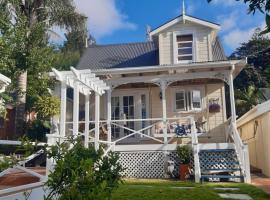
(7, 161)
(24, 44)
(38, 129)
(261, 5)
(247, 99)
(48, 106)
(65, 59)
(255, 74)
(184, 153)
(82, 173)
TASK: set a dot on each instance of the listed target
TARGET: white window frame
(175, 46)
(187, 89)
(174, 99)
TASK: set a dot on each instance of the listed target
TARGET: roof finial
(183, 8)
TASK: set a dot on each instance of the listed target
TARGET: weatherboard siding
(201, 34)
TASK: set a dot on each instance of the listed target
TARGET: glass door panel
(115, 116)
(128, 111)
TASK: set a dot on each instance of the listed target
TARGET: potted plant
(214, 106)
(184, 153)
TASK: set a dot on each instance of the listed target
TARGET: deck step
(216, 150)
(220, 170)
(220, 176)
(223, 162)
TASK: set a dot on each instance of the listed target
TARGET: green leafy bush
(184, 153)
(82, 173)
(48, 106)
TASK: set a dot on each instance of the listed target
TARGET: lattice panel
(147, 164)
(218, 160)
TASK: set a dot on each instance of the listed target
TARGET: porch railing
(241, 150)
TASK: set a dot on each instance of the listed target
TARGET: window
(184, 48)
(188, 100)
(196, 99)
(180, 100)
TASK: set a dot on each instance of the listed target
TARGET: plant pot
(183, 171)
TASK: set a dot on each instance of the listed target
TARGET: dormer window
(184, 48)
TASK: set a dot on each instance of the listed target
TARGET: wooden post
(232, 99)
(163, 86)
(87, 119)
(109, 115)
(76, 95)
(63, 109)
(97, 118)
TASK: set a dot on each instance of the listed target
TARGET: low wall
(254, 130)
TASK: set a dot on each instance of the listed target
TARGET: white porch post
(97, 118)
(86, 119)
(163, 86)
(63, 109)
(232, 99)
(76, 95)
(109, 115)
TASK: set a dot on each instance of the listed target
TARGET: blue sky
(123, 21)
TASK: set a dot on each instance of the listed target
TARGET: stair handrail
(242, 152)
(195, 148)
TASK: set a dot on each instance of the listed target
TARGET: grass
(161, 189)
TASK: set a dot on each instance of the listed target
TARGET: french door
(128, 106)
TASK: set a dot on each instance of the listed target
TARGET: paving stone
(230, 189)
(235, 196)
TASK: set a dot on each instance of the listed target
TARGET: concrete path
(261, 181)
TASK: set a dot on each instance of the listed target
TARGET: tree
(247, 99)
(261, 5)
(24, 26)
(257, 50)
(255, 75)
(82, 173)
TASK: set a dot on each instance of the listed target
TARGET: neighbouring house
(144, 99)
(254, 129)
(4, 125)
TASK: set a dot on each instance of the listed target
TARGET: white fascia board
(167, 25)
(130, 70)
(186, 18)
(202, 22)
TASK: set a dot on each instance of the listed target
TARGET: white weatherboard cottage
(144, 99)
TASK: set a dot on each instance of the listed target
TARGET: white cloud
(104, 17)
(226, 2)
(228, 22)
(235, 37)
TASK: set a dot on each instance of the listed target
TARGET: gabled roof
(120, 56)
(185, 18)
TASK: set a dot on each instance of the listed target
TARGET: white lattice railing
(242, 152)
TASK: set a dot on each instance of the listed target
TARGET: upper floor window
(184, 48)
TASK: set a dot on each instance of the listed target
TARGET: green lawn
(157, 190)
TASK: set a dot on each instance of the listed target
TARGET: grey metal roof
(119, 56)
(217, 51)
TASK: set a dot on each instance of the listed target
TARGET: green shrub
(184, 153)
(82, 173)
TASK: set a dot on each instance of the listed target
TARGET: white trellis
(84, 83)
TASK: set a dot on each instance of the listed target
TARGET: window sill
(188, 112)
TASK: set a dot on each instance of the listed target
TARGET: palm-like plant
(29, 21)
(247, 99)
